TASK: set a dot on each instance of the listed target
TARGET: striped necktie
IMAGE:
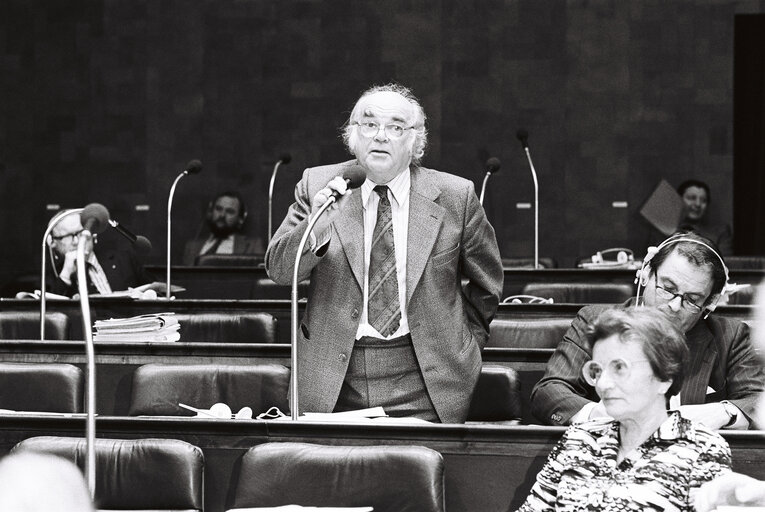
(383, 307)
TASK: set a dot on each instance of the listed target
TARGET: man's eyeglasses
(69, 237)
(393, 131)
(669, 295)
(618, 368)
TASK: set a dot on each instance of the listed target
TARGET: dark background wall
(106, 100)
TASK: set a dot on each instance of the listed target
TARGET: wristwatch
(732, 412)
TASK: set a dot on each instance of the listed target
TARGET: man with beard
(683, 278)
(226, 215)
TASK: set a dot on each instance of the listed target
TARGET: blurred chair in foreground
(581, 293)
(388, 478)
(159, 388)
(39, 482)
(138, 474)
(41, 387)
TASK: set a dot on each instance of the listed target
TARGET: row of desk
(487, 468)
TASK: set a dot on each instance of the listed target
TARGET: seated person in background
(109, 269)
(225, 217)
(735, 489)
(682, 278)
(696, 197)
(645, 458)
(40, 482)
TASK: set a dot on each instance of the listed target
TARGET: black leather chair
(42, 387)
(159, 388)
(388, 478)
(25, 325)
(528, 333)
(265, 288)
(581, 293)
(510, 263)
(745, 262)
(497, 397)
(228, 327)
(138, 474)
(229, 260)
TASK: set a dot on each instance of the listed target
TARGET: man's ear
(664, 387)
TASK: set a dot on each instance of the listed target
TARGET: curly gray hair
(350, 132)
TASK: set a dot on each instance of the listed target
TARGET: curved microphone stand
(536, 207)
(483, 187)
(45, 248)
(90, 426)
(271, 199)
(169, 209)
(294, 309)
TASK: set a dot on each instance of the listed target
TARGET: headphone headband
(652, 251)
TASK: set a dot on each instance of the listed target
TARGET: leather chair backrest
(228, 327)
(43, 387)
(527, 333)
(229, 260)
(388, 478)
(497, 397)
(25, 325)
(581, 293)
(159, 388)
(136, 474)
(510, 263)
(745, 262)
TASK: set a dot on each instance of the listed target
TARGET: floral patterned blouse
(581, 473)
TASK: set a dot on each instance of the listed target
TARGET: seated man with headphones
(684, 278)
(111, 267)
(226, 215)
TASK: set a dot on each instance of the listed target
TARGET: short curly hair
(349, 130)
(664, 345)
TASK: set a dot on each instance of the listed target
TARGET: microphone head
(142, 246)
(285, 158)
(355, 176)
(523, 136)
(493, 164)
(194, 166)
(95, 218)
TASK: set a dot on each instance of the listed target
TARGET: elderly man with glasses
(109, 269)
(388, 322)
(684, 278)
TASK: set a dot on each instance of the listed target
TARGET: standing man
(724, 378)
(388, 321)
(226, 215)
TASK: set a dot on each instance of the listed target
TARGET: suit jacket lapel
(697, 376)
(424, 225)
(349, 228)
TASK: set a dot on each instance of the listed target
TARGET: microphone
(492, 166)
(141, 244)
(354, 178)
(523, 136)
(193, 167)
(94, 218)
(284, 158)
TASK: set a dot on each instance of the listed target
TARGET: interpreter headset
(641, 278)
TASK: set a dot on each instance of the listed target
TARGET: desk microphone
(523, 136)
(492, 166)
(285, 158)
(94, 218)
(193, 167)
(141, 244)
(354, 178)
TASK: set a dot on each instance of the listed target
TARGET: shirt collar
(399, 188)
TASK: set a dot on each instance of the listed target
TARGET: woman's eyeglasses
(618, 368)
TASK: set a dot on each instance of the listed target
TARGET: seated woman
(645, 458)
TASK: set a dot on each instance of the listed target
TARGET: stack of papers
(150, 327)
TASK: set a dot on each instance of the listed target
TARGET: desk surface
(488, 468)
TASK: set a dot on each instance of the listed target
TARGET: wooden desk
(487, 468)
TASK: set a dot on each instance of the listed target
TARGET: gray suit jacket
(449, 240)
